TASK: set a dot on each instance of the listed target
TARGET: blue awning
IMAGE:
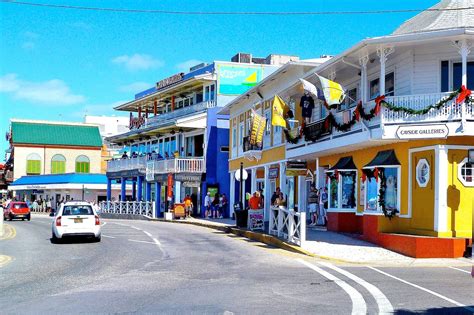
(70, 178)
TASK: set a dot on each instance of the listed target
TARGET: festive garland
(462, 95)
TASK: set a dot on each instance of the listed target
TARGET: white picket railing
(127, 207)
(138, 163)
(177, 165)
(155, 120)
(451, 111)
(288, 225)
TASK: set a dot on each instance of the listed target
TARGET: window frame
(419, 165)
(82, 167)
(461, 178)
(379, 209)
(61, 164)
(33, 168)
(339, 207)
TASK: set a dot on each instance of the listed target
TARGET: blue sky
(58, 64)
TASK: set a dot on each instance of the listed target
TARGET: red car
(17, 210)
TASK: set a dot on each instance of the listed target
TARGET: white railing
(179, 113)
(177, 165)
(451, 111)
(288, 225)
(138, 163)
(127, 207)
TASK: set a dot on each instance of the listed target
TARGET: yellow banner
(333, 92)
(258, 128)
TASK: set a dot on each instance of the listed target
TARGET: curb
(259, 237)
(9, 232)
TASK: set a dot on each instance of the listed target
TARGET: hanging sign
(273, 173)
(258, 127)
(423, 132)
(296, 168)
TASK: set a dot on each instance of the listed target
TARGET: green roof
(55, 134)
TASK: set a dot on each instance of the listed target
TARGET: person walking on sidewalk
(313, 202)
(323, 204)
(188, 206)
(207, 205)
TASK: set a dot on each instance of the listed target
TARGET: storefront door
(422, 192)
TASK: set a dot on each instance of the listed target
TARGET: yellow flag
(279, 111)
(334, 93)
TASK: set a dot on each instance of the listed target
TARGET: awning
(345, 163)
(384, 158)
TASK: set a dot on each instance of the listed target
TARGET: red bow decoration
(378, 101)
(357, 111)
(364, 177)
(463, 95)
(376, 174)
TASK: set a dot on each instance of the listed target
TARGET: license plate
(78, 220)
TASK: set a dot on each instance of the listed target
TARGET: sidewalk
(332, 246)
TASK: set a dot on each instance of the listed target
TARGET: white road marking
(358, 303)
(134, 227)
(108, 236)
(470, 309)
(149, 235)
(138, 241)
(459, 269)
(384, 305)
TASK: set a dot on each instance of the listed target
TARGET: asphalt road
(157, 267)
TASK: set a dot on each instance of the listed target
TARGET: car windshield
(78, 210)
(20, 205)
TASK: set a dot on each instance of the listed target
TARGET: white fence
(127, 207)
(177, 165)
(451, 111)
(178, 113)
(288, 225)
(138, 163)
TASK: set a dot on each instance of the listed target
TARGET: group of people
(256, 201)
(215, 206)
(153, 155)
(318, 204)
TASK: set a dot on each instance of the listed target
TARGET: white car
(76, 218)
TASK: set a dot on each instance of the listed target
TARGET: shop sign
(273, 173)
(162, 178)
(237, 79)
(255, 220)
(170, 186)
(423, 132)
(296, 168)
(187, 177)
(33, 187)
(136, 122)
(191, 184)
(170, 80)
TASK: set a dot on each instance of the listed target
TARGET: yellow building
(396, 156)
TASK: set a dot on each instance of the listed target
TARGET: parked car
(76, 218)
(17, 210)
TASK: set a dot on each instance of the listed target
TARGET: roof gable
(55, 134)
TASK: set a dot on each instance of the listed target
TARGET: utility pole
(241, 185)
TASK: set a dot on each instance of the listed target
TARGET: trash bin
(241, 218)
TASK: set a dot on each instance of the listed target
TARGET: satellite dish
(244, 173)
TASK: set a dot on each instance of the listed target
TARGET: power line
(170, 12)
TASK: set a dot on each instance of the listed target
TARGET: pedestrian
(124, 155)
(313, 202)
(254, 202)
(323, 205)
(221, 207)
(207, 205)
(224, 204)
(188, 206)
(215, 206)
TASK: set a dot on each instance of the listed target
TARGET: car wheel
(54, 239)
(22, 219)
(10, 217)
(28, 217)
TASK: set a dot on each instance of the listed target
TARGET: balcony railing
(138, 163)
(177, 165)
(451, 111)
(152, 121)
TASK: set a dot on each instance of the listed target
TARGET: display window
(342, 189)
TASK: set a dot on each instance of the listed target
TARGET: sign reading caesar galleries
(237, 79)
(423, 132)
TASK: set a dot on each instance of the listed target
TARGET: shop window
(371, 190)
(422, 173)
(58, 164)
(33, 164)
(466, 173)
(82, 164)
(342, 190)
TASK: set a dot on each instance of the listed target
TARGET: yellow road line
(9, 232)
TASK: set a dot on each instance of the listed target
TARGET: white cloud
(52, 92)
(135, 87)
(138, 62)
(184, 66)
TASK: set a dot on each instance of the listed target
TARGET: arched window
(58, 164)
(82, 164)
(33, 164)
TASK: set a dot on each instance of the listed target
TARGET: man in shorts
(188, 206)
(313, 202)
